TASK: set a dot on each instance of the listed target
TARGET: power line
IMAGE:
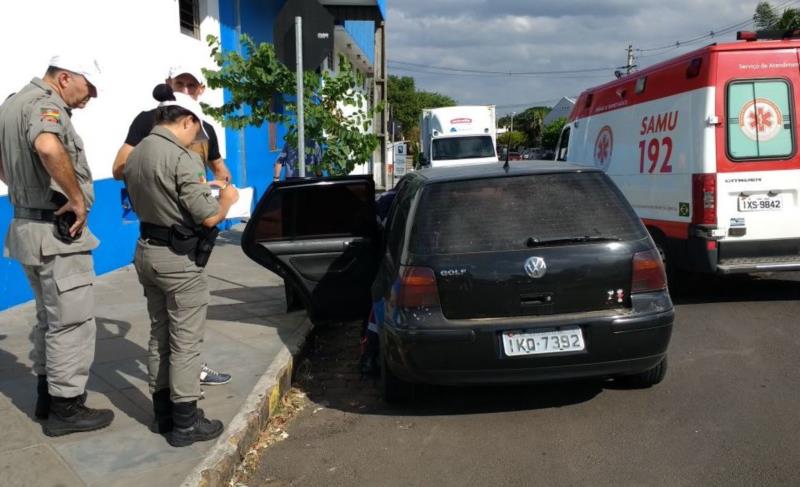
(493, 76)
(711, 34)
(532, 103)
(503, 73)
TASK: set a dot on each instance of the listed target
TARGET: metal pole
(301, 138)
(629, 67)
(510, 133)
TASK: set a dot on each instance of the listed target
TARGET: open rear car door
(321, 236)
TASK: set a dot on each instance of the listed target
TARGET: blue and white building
(136, 43)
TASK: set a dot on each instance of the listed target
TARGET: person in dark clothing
(370, 343)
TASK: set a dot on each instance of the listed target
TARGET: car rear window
(503, 213)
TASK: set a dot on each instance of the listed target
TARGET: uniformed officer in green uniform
(42, 160)
(168, 190)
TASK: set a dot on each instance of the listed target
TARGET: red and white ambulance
(705, 148)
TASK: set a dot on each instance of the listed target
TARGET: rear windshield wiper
(537, 242)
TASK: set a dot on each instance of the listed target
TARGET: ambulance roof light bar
(767, 35)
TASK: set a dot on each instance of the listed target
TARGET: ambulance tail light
(417, 288)
(648, 272)
(704, 199)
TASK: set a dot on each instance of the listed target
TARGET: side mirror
(423, 161)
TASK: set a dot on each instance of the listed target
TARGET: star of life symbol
(603, 147)
(760, 119)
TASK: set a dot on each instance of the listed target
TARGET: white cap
(79, 64)
(188, 103)
(176, 71)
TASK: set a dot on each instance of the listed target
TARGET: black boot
(370, 350)
(190, 425)
(69, 415)
(42, 399)
(162, 410)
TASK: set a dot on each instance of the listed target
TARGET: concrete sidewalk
(248, 335)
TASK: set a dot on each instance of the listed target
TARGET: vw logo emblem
(535, 267)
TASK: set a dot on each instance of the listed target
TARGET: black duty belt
(34, 214)
(154, 234)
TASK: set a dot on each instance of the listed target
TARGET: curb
(220, 463)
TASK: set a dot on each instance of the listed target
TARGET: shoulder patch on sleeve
(49, 114)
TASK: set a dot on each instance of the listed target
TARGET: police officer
(166, 182)
(50, 186)
(186, 80)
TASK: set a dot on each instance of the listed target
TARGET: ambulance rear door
(758, 161)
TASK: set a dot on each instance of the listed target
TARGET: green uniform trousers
(177, 300)
(65, 331)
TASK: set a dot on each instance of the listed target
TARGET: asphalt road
(727, 413)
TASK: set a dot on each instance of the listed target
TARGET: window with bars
(190, 17)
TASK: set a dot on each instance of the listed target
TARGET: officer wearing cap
(187, 80)
(42, 160)
(166, 182)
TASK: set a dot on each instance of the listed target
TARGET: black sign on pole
(317, 33)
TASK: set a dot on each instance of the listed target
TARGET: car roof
(496, 170)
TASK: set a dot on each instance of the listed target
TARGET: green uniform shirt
(34, 110)
(167, 183)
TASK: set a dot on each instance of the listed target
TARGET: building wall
(135, 44)
(250, 154)
(363, 32)
(561, 109)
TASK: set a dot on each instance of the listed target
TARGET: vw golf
(480, 274)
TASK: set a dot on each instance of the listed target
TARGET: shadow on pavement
(21, 390)
(329, 375)
(699, 289)
(122, 369)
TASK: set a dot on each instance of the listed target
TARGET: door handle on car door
(357, 243)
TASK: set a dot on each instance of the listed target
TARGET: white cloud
(536, 35)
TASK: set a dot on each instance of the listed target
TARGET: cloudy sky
(534, 36)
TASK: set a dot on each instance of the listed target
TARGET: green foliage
(551, 133)
(335, 113)
(514, 139)
(253, 80)
(407, 104)
(766, 18)
(529, 122)
(790, 19)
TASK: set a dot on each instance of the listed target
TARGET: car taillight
(648, 272)
(417, 287)
(704, 199)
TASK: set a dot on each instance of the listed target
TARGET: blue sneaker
(210, 377)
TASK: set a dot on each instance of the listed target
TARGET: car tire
(645, 379)
(394, 389)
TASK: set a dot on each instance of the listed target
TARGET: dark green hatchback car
(479, 274)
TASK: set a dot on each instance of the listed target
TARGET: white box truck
(451, 136)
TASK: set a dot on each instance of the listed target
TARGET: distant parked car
(481, 274)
